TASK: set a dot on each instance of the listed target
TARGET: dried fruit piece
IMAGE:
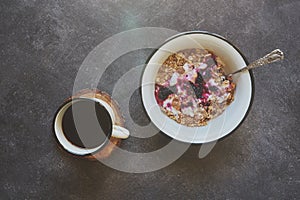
(198, 89)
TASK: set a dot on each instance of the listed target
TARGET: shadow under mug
(116, 130)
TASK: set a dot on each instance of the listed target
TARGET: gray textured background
(43, 43)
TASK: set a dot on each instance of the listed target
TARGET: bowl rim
(231, 44)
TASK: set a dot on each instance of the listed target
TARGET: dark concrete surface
(43, 44)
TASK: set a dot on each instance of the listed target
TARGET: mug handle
(120, 132)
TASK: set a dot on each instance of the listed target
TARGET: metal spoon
(274, 56)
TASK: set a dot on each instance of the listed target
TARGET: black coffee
(93, 124)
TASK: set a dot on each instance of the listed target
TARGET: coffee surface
(86, 124)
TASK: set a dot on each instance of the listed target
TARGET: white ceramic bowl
(234, 114)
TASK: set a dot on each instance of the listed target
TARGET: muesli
(191, 87)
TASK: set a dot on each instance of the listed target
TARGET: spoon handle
(274, 56)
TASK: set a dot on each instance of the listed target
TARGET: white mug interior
(234, 113)
(67, 145)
